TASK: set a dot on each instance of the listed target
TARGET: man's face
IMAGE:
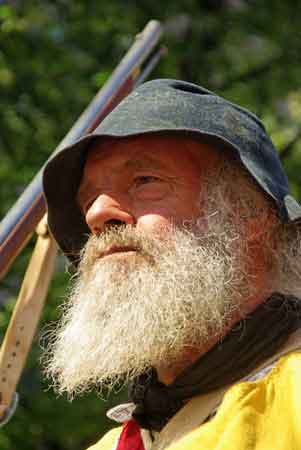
(184, 259)
(148, 182)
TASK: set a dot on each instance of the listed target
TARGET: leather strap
(25, 317)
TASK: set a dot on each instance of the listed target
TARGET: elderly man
(177, 214)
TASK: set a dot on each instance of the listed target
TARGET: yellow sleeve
(108, 441)
(260, 415)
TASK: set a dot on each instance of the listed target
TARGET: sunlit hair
(281, 242)
(175, 293)
(286, 257)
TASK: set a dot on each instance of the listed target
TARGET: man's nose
(106, 210)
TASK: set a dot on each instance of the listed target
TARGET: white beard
(128, 313)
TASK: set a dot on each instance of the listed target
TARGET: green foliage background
(54, 56)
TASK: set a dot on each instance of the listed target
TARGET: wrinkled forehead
(156, 152)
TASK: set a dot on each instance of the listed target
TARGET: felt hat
(160, 107)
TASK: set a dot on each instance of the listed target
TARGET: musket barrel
(21, 220)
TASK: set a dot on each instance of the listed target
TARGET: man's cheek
(156, 225)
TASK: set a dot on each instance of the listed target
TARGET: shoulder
(267, 404)
(287, 368)
(261, 414)
(286, 376)
(108, 441)
(280, 384)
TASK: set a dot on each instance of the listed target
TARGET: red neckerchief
(130, 437)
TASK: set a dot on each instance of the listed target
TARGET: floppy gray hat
(165, 106)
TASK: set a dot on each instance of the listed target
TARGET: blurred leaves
(54, 56)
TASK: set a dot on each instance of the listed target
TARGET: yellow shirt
(253, 415)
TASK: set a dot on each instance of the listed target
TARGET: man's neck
(168, 373)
